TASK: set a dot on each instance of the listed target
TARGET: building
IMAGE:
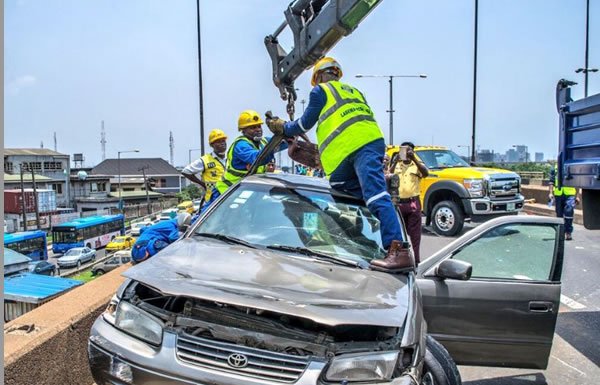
(485, 156)
(130, 174)
(539, 156)
(44, 162)
(511, 156)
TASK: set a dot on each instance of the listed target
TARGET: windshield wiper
(312, 253)
(227, 238)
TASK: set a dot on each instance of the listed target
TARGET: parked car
(121, 242)
(76, 256)
(136, 227)
(119, 258)
(167, 214)
(186, 206)
(42, 267)
(273, 285)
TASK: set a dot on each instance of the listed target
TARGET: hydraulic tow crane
(316, 25)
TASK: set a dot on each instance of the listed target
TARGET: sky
(71, 64)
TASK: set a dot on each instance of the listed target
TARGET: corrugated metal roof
(31, 151)
(132, 166)
(35, 288)
(12, 257)
(26, 178)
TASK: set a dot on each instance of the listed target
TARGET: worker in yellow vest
(565, 199)
(351, 148)
(243, 152)
(209, 168)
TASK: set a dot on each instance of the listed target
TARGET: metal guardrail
(86, 267)
(531, 174)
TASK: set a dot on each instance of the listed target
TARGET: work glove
(275, 125)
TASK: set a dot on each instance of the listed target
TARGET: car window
(512, 251)
(125, 259)
(112, 261)
(269, 216)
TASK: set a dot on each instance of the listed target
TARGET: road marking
(579, 247)
(571, 303)
(570, 366)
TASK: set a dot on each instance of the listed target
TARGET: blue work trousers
(213, 197)
(361, 175)
(565, 208)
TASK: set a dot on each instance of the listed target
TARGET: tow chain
(291, 100)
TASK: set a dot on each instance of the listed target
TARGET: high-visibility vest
(346, 123)
(569, 191)
(213, 172)
(233, 175)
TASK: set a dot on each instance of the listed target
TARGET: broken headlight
(362, 367)
(134, 321)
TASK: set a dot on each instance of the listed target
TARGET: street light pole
(391, 82)
(119, 172)
(468, 149)
(190, 154)
(586, 68)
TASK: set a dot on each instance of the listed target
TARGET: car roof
(294, 181)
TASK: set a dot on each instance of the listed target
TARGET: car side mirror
(454, 269)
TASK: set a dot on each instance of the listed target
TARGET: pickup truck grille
(504, 187)
(240, 360)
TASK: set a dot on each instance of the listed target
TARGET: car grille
(504, 187)
(261, 364)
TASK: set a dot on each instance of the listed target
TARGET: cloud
(21, 82)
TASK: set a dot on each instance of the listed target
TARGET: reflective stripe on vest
(213, 172)
(232, 175)
(346, 123)
(563, 190)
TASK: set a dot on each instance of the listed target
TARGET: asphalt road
(575, 355)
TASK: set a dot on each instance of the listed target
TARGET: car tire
(93, 257)
(439, 368)
(88, 245)
(99, 272)
(447, 218)
(52, 273)
(79, 264)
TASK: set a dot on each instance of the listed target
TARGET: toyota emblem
(237, 360)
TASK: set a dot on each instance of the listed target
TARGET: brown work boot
(399, 258)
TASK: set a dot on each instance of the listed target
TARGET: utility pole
(55, 145)
(103, 141)
(200, 97)
(474, 82)
(171, 148)
(35, 200)
(23, 210)
(143, 170)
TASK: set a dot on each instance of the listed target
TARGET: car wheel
(439, 368)
(78, 264)
(93, 257)
(51, 273)
(447, 218)
(88, 245)
(99, 272)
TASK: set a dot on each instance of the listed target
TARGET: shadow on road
(521, 379)
(582, 331)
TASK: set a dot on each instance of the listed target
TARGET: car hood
(263, 279)
(473, 172)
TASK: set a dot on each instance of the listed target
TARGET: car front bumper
(118, 358)
(67, 264)
(486, 206)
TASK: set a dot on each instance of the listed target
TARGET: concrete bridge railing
(48, 346)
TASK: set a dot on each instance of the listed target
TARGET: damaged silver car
(273, 286)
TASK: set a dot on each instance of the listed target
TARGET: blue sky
(68, 65)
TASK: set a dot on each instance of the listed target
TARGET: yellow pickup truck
(454, 191)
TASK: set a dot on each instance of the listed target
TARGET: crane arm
(316, 25)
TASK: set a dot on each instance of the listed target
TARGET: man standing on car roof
(243, 152)
(209, 168)
(351, 148)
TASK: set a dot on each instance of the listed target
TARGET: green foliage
(190, 193)
(85, 277)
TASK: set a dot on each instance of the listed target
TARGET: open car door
(503, 312)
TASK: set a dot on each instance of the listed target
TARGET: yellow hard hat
(249, 118)
(323, 64)
(215, 135)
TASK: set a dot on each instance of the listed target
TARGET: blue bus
(30, 243)
(93, 232)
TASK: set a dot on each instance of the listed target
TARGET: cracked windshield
(274, 216)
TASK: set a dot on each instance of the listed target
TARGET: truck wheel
(438, 367)
(447, 218)
(88, 245)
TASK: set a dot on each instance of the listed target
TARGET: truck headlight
(362, 367)
(134, 321)
(474, 187)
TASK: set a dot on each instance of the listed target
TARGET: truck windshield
(272, 217)
(437, 159)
